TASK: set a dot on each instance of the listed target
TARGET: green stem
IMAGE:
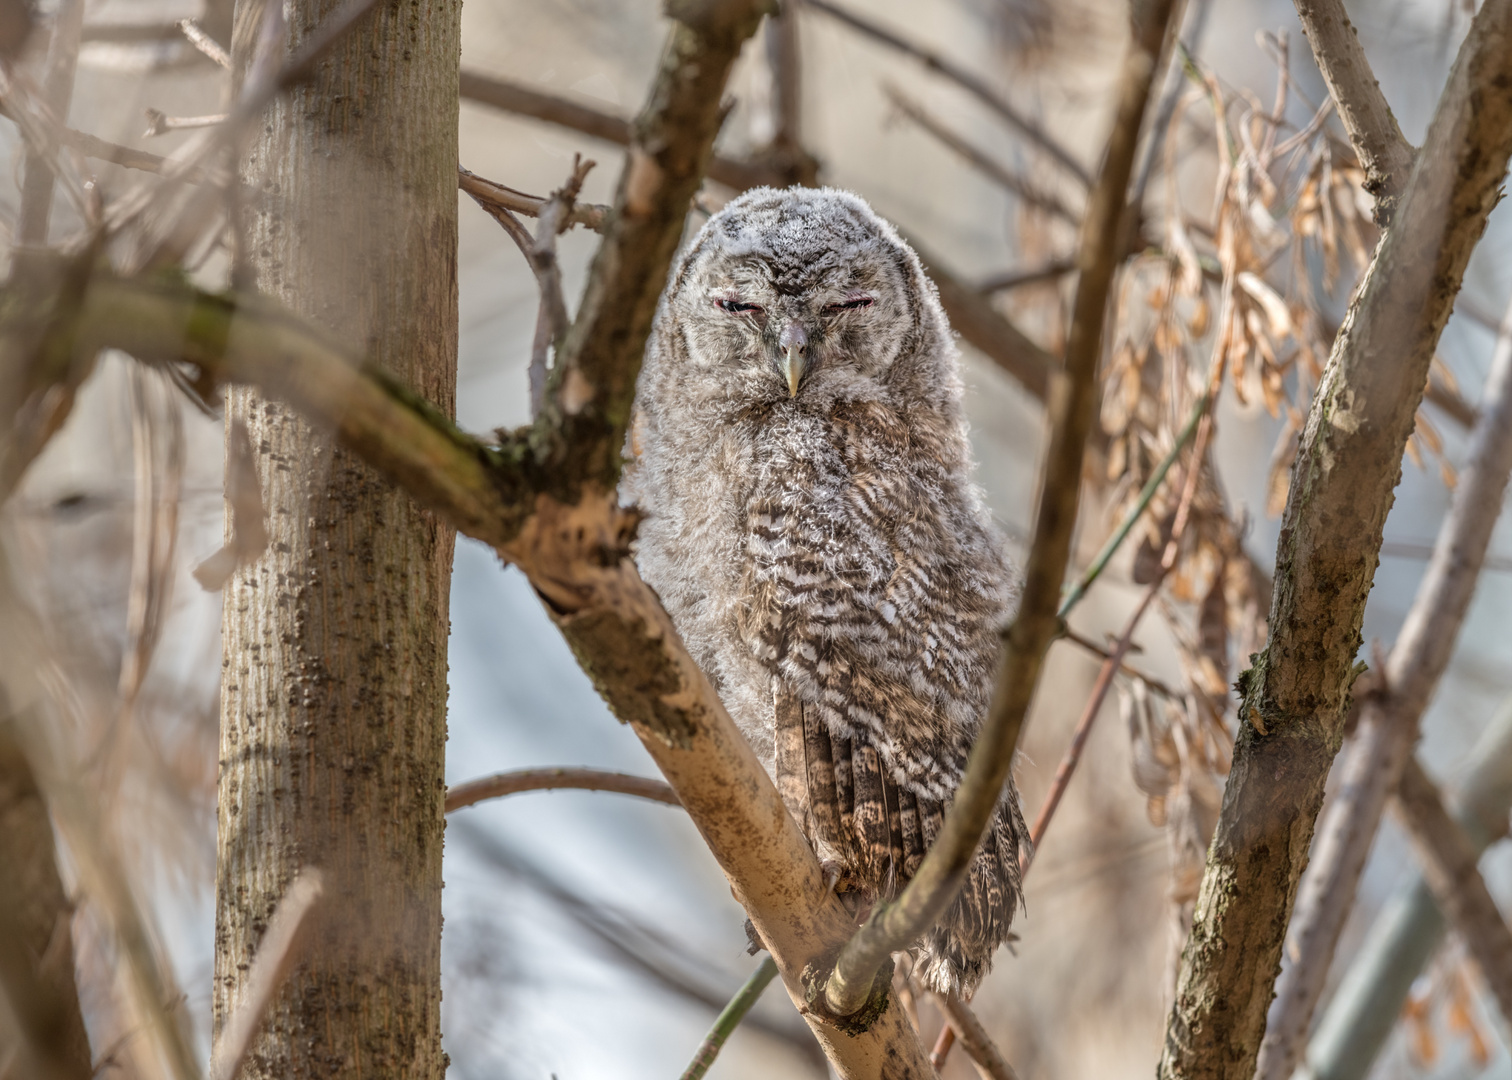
(1152, 485)
(730, 1019)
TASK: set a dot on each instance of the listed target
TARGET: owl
(799, 457)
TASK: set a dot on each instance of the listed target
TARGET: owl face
(798, 295)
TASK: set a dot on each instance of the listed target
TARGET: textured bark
(1293, 698)
(36, 933)
(334, 673)
(1385, 154)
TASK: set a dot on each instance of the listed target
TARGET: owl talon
(832, 871)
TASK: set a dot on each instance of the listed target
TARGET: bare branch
(1384, 153)
(36, 938)
(57, 93)
(973, 317)
(1293, 698)
(489, 194)
(511, 783)
(160, 123)
(1362, 1012)
(1072, 413)
(552, 321)
(277, 955)
(522, 100)
(974, 1039)
(1111, 665)
(729, 1019)
(1388, 722)
(972, 84)
(204, 42)
(1016, 279)
(995, 172)
(1449, 859)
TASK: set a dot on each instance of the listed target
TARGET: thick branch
(1385, 154)
(1449, 859)
(1073, 409)
(1388, 723)
(1350, 461)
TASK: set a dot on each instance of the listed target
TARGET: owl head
(805, 295)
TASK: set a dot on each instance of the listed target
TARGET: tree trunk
(333, 700)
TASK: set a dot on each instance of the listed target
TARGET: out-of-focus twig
(57, 95)
(974, 1040)
(1389, 719)
(1072, 414)
(36, 938)
(204, 42)
(972, 84)
(561, 779)
(277, 955)
(1448, 858)
(1110, 666)
(160, 123)
(978, 159)
(522, 100)
(730, 1019)
(1017, 279)
(1152, 485)
(1363, 1011)
(248, 517)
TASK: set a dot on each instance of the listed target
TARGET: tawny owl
(800, 458)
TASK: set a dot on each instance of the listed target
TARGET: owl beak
(794, 344)
(794, 364)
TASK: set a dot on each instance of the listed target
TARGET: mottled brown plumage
(800, 457)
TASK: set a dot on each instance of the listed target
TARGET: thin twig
(160, 123)
(551, 321)
(1072, 413)
(57, 95)
(973, 1039)
(522, 100)
(1147, 493)
(1449, 861)
(488, 193)
(204, 42)
(1388, 722)
(558, 779)
(979, 159)
(1015, 279)
(972, 84)
(730, 1019)
(1110, 666)
(277, 954)
(1104, 653)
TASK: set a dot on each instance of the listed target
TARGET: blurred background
(590, 935)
